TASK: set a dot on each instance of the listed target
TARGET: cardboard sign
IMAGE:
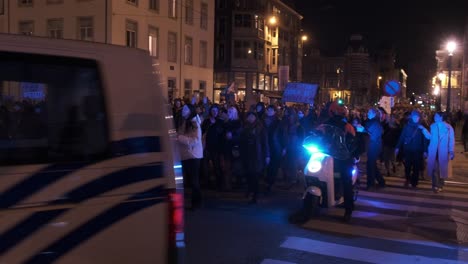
(300, 93)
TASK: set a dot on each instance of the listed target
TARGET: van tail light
(176, 225)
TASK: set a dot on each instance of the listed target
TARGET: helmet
(337, 109)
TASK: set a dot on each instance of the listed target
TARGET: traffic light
(340, 101)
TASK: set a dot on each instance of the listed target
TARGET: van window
(51, 109)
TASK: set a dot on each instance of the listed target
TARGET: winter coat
(412, 139)
(442, 141)
(190, 140)
(213, 135)
(254, 147)
(276, 139)
(231, 148)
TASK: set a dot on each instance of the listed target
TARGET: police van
(88, 171)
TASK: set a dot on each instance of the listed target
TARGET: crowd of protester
(238, 146)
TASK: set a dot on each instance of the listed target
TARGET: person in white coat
(440, 151)
(191, 150)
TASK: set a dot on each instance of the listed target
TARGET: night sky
(414, 28)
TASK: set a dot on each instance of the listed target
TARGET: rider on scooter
(347, 156)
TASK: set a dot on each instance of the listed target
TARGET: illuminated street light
(304, 38)
(380, 77)
(272, 21)
(451, 46)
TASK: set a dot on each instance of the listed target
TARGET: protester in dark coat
(374, 128)
(276, 143)
(414, 146)
(254, 152)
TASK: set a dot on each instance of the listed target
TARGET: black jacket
(412, 139)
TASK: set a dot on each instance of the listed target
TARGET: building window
(131, 30)
(202, 89)
(188, 48)
(187, 88)
(171, 88)
(26, 27)
(154, 5)
(203, 53)
(204, 16)
(133, 2)
(25, 2)
(55, 28)
(153, 41)
(243, 20)
(273, 59)
(172, 47)
(85, 28)
(54, 2)
(172, 8)
(221, 26)
(220, 53)
(189, 12)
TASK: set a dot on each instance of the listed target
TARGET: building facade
(178, 34)
(258, 47)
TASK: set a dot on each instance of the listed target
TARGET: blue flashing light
(311, 148)
(353, 172)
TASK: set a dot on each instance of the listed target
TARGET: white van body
(88, 172)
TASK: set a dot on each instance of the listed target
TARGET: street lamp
(451, 46)
(272, 21)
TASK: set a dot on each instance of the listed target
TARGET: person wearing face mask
(191, 150)
(440, 152)
(414, 145)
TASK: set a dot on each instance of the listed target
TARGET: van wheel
(311, 206)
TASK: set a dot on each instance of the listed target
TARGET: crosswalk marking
(378, 233)
(272, 261)
(391, 225)
(426, 192)
(359, 254)
(414, 198)
(366, 215)
(422, 183)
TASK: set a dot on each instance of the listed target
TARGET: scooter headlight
(314, 166)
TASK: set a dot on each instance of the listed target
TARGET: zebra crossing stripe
(366, 215)
(414, 199)
(423, 192)
(401, 207)
(359, 254)
(426, 183)
(362, 231)
(272, 261)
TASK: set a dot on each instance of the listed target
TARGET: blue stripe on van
(94, 188)
(55, 172)
(136, 145)
(36, 182)
(113, 181)
(98, 224)
(26, 227)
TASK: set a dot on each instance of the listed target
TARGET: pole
(449, 87)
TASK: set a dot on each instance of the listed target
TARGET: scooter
(323, 188)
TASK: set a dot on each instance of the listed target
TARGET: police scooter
(323, 188)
